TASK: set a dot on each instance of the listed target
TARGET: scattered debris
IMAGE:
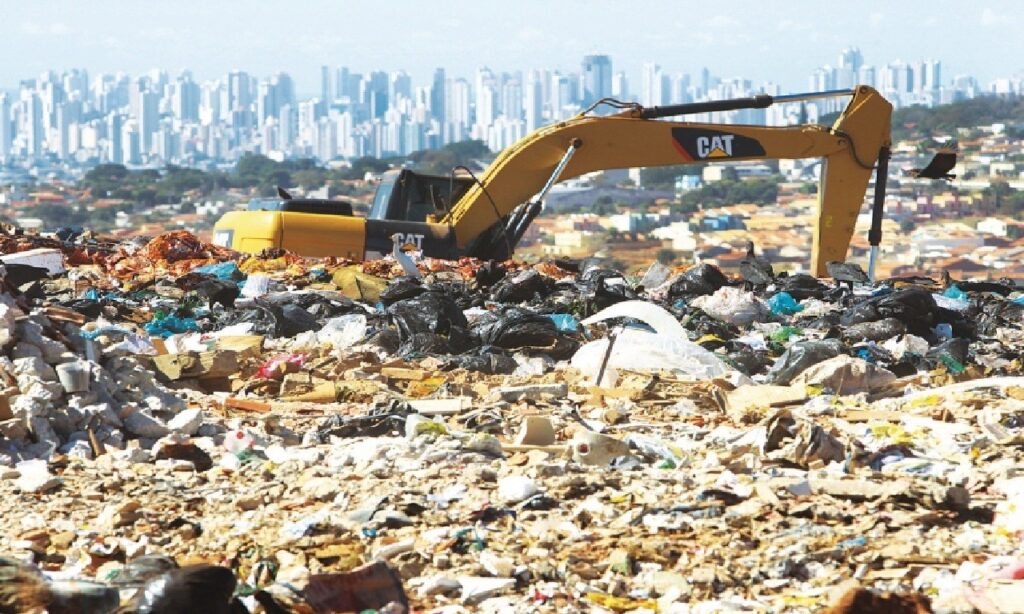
(307, 435)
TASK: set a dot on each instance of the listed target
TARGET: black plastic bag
(522, 329)
(400, 289)
(488, 360)
(292, 320)
(914, 307)
(748, 361)
(802, 355)
(522, 287)
(700, 280)
(321, 304)
(880, 330)
(430, 312)
(489, 274)
(956, 348)
(999, 314)
(381, 420)
(801, 286)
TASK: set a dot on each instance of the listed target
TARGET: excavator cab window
(382, 197)
(411, 197)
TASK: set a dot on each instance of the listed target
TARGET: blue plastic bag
(166, 326)
(564, 322)
(227, 271)
(783, 304)
(955, 292)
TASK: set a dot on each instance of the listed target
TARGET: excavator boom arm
(849, 148)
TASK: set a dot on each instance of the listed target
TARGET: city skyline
(158, 117)
(748, 39)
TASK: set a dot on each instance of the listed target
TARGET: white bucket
(74, 376)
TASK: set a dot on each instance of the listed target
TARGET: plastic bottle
(237, 441)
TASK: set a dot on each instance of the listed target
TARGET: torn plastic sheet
(666, 349)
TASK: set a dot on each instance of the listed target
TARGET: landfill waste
(783, 304)
(733, 305)
(181, 424)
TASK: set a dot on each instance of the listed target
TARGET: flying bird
(283, 193)
(755, 270)
(849, 272)
(403, 258)
(941, 164)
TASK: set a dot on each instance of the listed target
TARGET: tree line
(261, 175)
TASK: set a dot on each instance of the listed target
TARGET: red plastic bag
(278, 366)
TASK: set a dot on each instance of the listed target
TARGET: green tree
(310, 179)
(666, 256)
(361, 166)
(604, 205)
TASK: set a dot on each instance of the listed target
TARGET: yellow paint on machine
(309, 234)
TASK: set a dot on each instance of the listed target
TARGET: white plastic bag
(668, 349)
(733, 305)
(344, 331)
(255, 285)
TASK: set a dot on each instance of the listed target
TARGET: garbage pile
(185, 428)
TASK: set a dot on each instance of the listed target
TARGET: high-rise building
(130, 150)
(866, 76)
(327, 87)
(266, 102)
(486, 106)
(533, 101)
(51, 94)
(212, 99)
(288, 125)
(76, 81)
(285, 88)
(850, 58)
(115, 153)
(679, 89)
(597, 78)
(620, 86)
(32, 111)
(240, 94)
(458, 109)
(348, 83)
(932, 75)
(512, 99)
(185, 98)
(437, 97)
(651, 82)
(375, 94)
(147, 119)
(399, 85)
(6, 126)
(340, 82)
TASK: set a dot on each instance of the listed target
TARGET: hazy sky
(780, 41)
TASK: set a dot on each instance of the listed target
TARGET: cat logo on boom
(715, 146)
(703, 144)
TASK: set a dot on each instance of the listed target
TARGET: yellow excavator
(462, 215)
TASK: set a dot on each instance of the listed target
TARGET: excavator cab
(403, 201)
(404, 195)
